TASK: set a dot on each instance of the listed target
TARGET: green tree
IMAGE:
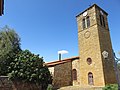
(9, 47)
(28, 67)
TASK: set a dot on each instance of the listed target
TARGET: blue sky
(47, 26)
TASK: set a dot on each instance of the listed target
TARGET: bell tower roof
(94, 5)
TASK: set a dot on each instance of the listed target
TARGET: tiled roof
(50, 64)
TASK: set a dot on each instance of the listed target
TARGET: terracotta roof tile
(50, 64)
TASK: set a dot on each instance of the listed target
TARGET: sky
(47, 26)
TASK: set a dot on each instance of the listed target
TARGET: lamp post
(116, 69)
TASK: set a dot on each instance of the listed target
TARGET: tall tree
(9, 47)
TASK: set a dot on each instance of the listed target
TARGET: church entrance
(90, 79)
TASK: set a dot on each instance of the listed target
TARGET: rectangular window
(88, 21)
(101, 20)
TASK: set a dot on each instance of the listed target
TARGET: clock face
(87, 34)
(85, 14)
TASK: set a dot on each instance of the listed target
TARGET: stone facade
(93, 41)
(63, 68)
(90, 68)
(76, 65)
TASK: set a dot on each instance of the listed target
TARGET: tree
(28, 67)
(9, 47)
(21, 65)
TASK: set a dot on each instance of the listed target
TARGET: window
(89, 61)
(74, 74)
(102, 20)
(83, 23)
(90, 79)
(86, 22)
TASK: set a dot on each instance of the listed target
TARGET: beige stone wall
(76, 65)
(62, 75)
(92, 42)
(90, 48)
(108, 64)
(51, 69)
(106, 45)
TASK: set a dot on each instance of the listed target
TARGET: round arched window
(89, 61)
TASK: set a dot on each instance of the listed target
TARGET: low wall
(6, 84)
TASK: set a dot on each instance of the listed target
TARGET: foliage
(28, 67)
(111, 87)
(21, 65)
(50, 87)
(9, 47)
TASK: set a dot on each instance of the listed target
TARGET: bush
(28, 67)
(50, 87)
(111, 87)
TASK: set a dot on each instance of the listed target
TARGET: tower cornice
(94, 5)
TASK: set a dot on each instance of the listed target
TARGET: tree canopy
(9, 47)
(18, 64)
(29, 67)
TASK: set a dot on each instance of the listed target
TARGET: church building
(95, 64)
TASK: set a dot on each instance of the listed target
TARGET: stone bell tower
(94, 39)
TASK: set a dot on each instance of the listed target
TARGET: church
(95, 64)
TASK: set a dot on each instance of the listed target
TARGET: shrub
(50, 87)
(28, 67)
(111, 87)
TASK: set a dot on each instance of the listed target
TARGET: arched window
(74, 74)
(88, 21)
(90, 79)
(83, 23)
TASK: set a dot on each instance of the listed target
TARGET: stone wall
(6, 84)
(76, 65)
(93, 41)
(62, 75)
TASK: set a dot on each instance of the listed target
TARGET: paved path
(80, 88)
